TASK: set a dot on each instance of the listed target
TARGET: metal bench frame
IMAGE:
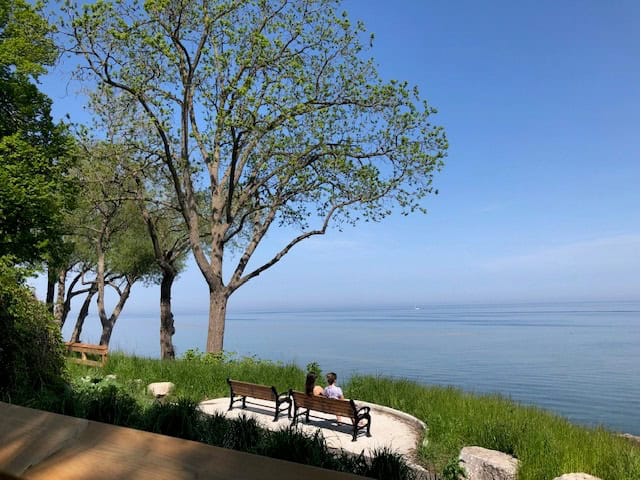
(239, 394)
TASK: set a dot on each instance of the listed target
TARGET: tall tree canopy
(34, 151)
(273, 108)
(32, 194)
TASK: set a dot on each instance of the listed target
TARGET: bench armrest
(283, 395)
(362, 410)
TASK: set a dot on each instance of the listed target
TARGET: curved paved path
(390, 428)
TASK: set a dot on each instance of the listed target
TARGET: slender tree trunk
(51, 287)
(107, 330)
(108, 323)
(82, 315)
(58, 312)
(217, 311)
(167, 329)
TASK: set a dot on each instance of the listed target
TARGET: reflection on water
(580, 359)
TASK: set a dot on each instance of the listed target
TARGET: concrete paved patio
(390, 428)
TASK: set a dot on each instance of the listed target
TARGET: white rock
(576, 476)
(160, 389)
(481, 463)
(110, 377)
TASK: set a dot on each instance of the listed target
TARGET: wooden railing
(95, 350)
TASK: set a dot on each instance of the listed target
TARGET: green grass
(196, 379)
(545, 444)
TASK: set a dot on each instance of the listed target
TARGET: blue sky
(539, 197)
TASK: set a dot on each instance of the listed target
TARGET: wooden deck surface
(41, 445)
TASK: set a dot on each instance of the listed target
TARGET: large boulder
(160, 389)
(481, 463)
(576, 476)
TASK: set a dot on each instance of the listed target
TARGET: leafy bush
(31, 348)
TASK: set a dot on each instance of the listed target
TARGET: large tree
(109, 234)
(33, 192)
(120, 117)
(270, 105)
(34, 151)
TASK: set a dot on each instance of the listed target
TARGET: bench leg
(277, 411)
(244, 397)
(307, 416)
(295, 416)
(231, 401)
(289, 410)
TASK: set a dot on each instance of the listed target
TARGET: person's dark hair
(331, 377)
(310, 381)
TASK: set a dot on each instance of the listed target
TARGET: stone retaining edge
(407, 417)
(419, 471)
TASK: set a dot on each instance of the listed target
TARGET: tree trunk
(82, 315)
(108, 323)
(51, 287)
(167, 329)
(107, 330)
(217, 311)
(59, 313)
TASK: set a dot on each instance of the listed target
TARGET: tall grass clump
(545, 444)
(180, 419)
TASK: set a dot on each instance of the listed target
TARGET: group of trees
(215, 121)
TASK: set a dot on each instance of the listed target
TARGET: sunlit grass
(546, 445)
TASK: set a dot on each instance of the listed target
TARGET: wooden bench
(338, 407)
(91, 349)
(258, 391)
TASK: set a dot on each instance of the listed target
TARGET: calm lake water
(580, 360)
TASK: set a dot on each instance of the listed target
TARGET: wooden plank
(259, 391)
(39, 445)
(87, 362)
(88, 348)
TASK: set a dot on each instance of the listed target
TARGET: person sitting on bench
(332, 391)
(311, 388)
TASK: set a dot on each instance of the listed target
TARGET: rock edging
(482, 463)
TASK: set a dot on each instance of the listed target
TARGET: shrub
(387, 464)
(181, 419)
(291, 444)
(453, 469)
(31, 348)
(243, 434)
